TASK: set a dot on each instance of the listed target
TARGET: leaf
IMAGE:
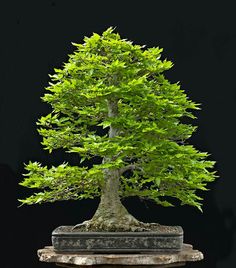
(82, 159)
(105, 124)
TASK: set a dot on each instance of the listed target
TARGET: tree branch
(129, 167)
(118, 154)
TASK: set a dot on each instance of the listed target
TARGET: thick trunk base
(114, 218)
(124, 224)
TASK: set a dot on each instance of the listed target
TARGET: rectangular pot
(115, 242)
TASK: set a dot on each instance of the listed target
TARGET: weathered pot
(116, 242)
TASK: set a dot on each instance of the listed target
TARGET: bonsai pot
(65, 240)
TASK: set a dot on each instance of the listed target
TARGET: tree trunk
(110, 210)
(111, 214)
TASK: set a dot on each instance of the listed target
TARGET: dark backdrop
(199, 37)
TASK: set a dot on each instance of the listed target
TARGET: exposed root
(127, 224)
(80, 225)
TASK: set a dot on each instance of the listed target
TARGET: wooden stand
(124, 266)
(154, 260)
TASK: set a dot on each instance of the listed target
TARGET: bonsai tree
(111, 100)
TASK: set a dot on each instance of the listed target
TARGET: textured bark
(111, 214)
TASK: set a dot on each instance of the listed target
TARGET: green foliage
(61, 183)
(150, 141)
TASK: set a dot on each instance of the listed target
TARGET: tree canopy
(149, 148)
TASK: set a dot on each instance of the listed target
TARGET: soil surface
(152, 227)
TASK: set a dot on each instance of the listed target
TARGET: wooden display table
(121, 260)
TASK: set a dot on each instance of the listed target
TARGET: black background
(199, 37)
